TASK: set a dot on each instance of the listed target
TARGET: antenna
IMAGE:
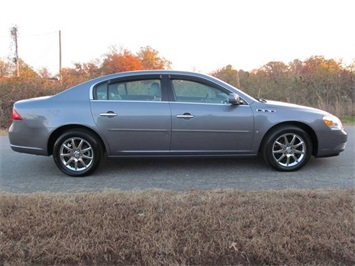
(60, 57)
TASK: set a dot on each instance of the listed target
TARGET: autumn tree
(80, 73)
(8, 69)
(44, 73)
(5, 68)
(114, 61)
(351, 81)
(26, 71)
(121, 61)
(318, 82)
(277, 81)
(228, 74)
(150, 59)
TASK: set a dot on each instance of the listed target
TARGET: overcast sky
(199, 35)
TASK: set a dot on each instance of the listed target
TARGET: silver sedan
(169, 114)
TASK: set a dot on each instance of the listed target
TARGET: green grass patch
(226, 227)
(348, 120)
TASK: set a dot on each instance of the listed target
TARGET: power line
(39, 34)
(33, 37)
(33, 34)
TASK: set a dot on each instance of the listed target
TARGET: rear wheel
(77, 153)
(287, 148)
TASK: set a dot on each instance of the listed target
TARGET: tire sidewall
(87, 136)
(274, 135)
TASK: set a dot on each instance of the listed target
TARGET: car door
(133, 115)
(204, 122)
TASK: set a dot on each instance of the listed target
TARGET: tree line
(319, 82)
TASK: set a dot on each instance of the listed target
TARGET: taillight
(16, 115)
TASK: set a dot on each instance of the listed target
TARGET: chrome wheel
(289, 150)
(76, 154)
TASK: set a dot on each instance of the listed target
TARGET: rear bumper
(29, 150)
(28, 140)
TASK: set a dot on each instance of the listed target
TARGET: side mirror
(234, 99)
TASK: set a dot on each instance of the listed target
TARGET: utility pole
(13, 32)
(60, 57)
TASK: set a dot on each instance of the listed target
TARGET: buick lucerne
(164, 113)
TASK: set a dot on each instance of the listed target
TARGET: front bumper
(331, 143)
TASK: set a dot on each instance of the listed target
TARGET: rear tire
(287, 148)
(77, 152)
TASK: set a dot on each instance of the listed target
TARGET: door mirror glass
(234, 99)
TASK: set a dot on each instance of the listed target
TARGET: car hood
(284, 105)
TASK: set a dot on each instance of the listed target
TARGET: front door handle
(108, 114)
(185, 116)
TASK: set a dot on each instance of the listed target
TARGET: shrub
(14, 89)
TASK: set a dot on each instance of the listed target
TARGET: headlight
(332, 122)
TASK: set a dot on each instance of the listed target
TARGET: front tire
(77, 152)
(287, 148)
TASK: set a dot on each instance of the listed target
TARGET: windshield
(246, 97)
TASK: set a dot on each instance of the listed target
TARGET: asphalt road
(23, 173)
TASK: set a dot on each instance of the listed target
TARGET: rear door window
(135, 90)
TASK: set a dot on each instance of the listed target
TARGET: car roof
(152, 72)
(93, 82)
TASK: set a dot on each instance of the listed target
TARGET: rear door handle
(185, 116)
(108, 114)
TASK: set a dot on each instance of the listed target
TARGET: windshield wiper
(261, 100)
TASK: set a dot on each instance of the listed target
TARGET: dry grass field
(3, 132)
(291, 227)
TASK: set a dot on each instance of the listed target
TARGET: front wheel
(287, 148)
(77, 153)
